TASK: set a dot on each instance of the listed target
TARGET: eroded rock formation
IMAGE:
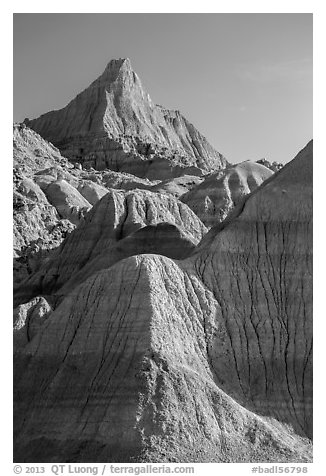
(114, 124)
(214, 198)
(274, 166)
(38, 227)
(206, 359)
(28, 318)
(178, 186)
(116, 216)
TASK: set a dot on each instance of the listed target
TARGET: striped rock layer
(206, 359)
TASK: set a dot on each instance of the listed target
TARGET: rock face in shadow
(117, 215)
(260, 269)
(163, 239)
(114, 124)
(202, 360)
(214, 198)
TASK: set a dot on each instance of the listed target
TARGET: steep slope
(164, 239)
(114, 124)
(69, 203)
(214, 198)
(32, 153)
(203, 360)
(37, 225)
(260, 270)
(113, 376)
(117, 215)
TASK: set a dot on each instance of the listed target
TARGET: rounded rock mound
(214, 198)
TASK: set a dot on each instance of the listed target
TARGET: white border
(169, 6)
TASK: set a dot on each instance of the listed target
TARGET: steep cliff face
(205, 360)
(259, 268)
(114, 124)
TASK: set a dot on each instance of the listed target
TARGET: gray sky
(244, 80)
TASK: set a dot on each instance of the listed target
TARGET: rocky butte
(167, 314)
(114, 124)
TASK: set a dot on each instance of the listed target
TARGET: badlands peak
(114, 124)
(118, 71)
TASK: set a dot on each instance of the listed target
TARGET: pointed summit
(116, 67)
(117, 63)
(114, 124)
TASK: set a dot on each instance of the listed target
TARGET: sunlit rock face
(102, 236)
(114, 124)
(214, 198)
(206, 359)
(38, 226)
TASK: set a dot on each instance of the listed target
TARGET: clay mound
(92, 192)
(40, 222)
(202, 360)
(178, 186)
(75, 192)
(214, 198)
(31, 208)
(69, 203)
(35, 219)
(37, 227)
(54, 173)
(117, 215)
(114, 124)
(119, 373)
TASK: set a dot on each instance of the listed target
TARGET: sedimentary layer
(101, 235)
(206, 359)
(213, 199)
(114, 124)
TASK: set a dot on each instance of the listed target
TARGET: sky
(243, 80)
